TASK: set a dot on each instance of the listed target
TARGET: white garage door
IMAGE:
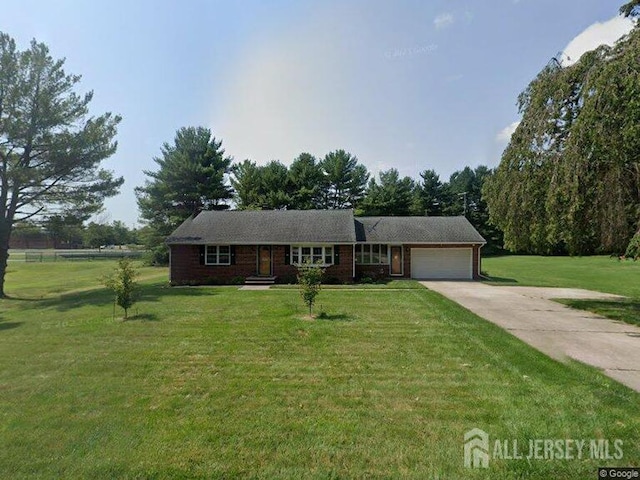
(445, 263)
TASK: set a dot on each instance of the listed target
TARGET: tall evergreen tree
(345, 180)
(305, 179)
(430, 194)
(392, 196)
(192, 176)
(246, 182)
(50, 149)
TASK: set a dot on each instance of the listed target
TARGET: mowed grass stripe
(216, 382)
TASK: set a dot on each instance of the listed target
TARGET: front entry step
(258, 280)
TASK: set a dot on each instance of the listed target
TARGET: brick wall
(186, 267)
(381, 271)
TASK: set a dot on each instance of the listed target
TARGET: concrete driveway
(553, 328)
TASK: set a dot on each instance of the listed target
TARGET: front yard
(214, 382)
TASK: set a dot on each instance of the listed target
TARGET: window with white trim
(217, 255)
(315, 254)
(372, 254)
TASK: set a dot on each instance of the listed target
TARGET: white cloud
(504, 135)
(443, 20)
(599, 33)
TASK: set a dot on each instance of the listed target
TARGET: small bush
(366, 280)
(237, 280)
(157, 256)
(633, 250)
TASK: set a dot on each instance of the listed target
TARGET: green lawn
(47, 279)
(220, 383)
(599, 273)
(627, 310)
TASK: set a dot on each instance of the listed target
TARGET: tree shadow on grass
(627, 310)
(142, 317)
(9, 325)
(335, 317)
(490, 279)
(104, 297)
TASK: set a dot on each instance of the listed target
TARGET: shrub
(309, 278)
(237, 280)
(123, 283)
(157, 256)
(633, 250)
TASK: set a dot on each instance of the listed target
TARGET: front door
(396, 260)
(264, 260)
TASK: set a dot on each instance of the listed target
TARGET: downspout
(353, 260)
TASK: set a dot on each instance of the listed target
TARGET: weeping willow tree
(569, 180)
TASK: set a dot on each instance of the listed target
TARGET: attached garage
(442, 263)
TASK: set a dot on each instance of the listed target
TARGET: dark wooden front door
(396, 260)
(264, 260)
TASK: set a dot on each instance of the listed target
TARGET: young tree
(191, 177)
(50, 149)
(345, 180)
(310, 280)
(123, 284)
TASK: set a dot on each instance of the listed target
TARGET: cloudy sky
(405, 84)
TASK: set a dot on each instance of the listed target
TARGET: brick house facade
(229, 247)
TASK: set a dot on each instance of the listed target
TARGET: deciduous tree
(569, 180)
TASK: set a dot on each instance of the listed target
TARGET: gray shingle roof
(416, 230)
(266, 226)
(251, 227)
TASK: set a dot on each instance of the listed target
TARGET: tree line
(194, 173)
(68, 232)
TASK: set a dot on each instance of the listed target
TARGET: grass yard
(600, 273)
(627, 310)
(220, 383)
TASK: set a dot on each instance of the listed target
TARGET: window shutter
(336, 254)
(202, 248)
(287, 255)
(232, 252)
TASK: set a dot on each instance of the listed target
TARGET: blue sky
(405, 84)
